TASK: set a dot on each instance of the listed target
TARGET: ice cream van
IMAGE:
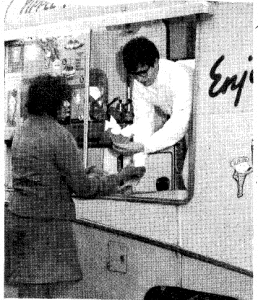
(157, 241)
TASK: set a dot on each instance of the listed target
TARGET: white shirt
(172, 93)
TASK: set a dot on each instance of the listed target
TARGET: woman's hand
(93, 170)
(131, 173)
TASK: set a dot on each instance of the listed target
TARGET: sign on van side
(219, 86)
(36, 5)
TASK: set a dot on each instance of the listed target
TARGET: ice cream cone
(241, 169)
(240, 184)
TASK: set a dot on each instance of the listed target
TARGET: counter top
(174, 197)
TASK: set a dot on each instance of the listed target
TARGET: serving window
(91, 63)
(167, 171)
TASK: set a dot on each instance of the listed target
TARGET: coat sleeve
(143, 126)
(70, 164)
(176, 126)
(172, 131)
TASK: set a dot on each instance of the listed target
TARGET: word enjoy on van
(229, 81)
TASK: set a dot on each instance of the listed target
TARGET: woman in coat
(47, 170)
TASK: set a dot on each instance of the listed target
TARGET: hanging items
(65, 113)
(68, 69)
(78, 61)
(241, 169)
(77, 105)
(73, 44)
(81, 79)
(98, 95)
(97, 111)
(12, 107)
(15, 57)
(57, 67)
(50, 48)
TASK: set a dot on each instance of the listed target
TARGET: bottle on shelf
(117, 111)
(128, 112)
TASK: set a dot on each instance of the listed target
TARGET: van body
(194, 241)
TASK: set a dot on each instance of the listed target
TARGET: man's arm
(176, 127)
(172, 131)
(142, 127)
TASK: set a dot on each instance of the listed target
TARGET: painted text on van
(228, 82)
(35, 5)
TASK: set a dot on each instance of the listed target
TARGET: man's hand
(129, 149)
(118, 138)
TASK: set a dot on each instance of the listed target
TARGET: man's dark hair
(46, 94)
(139, 52)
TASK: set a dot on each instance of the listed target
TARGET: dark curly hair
(139, 52)
(46, 94)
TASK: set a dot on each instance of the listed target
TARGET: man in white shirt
(157, 83)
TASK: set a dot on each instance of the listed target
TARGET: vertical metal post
(86, 96)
